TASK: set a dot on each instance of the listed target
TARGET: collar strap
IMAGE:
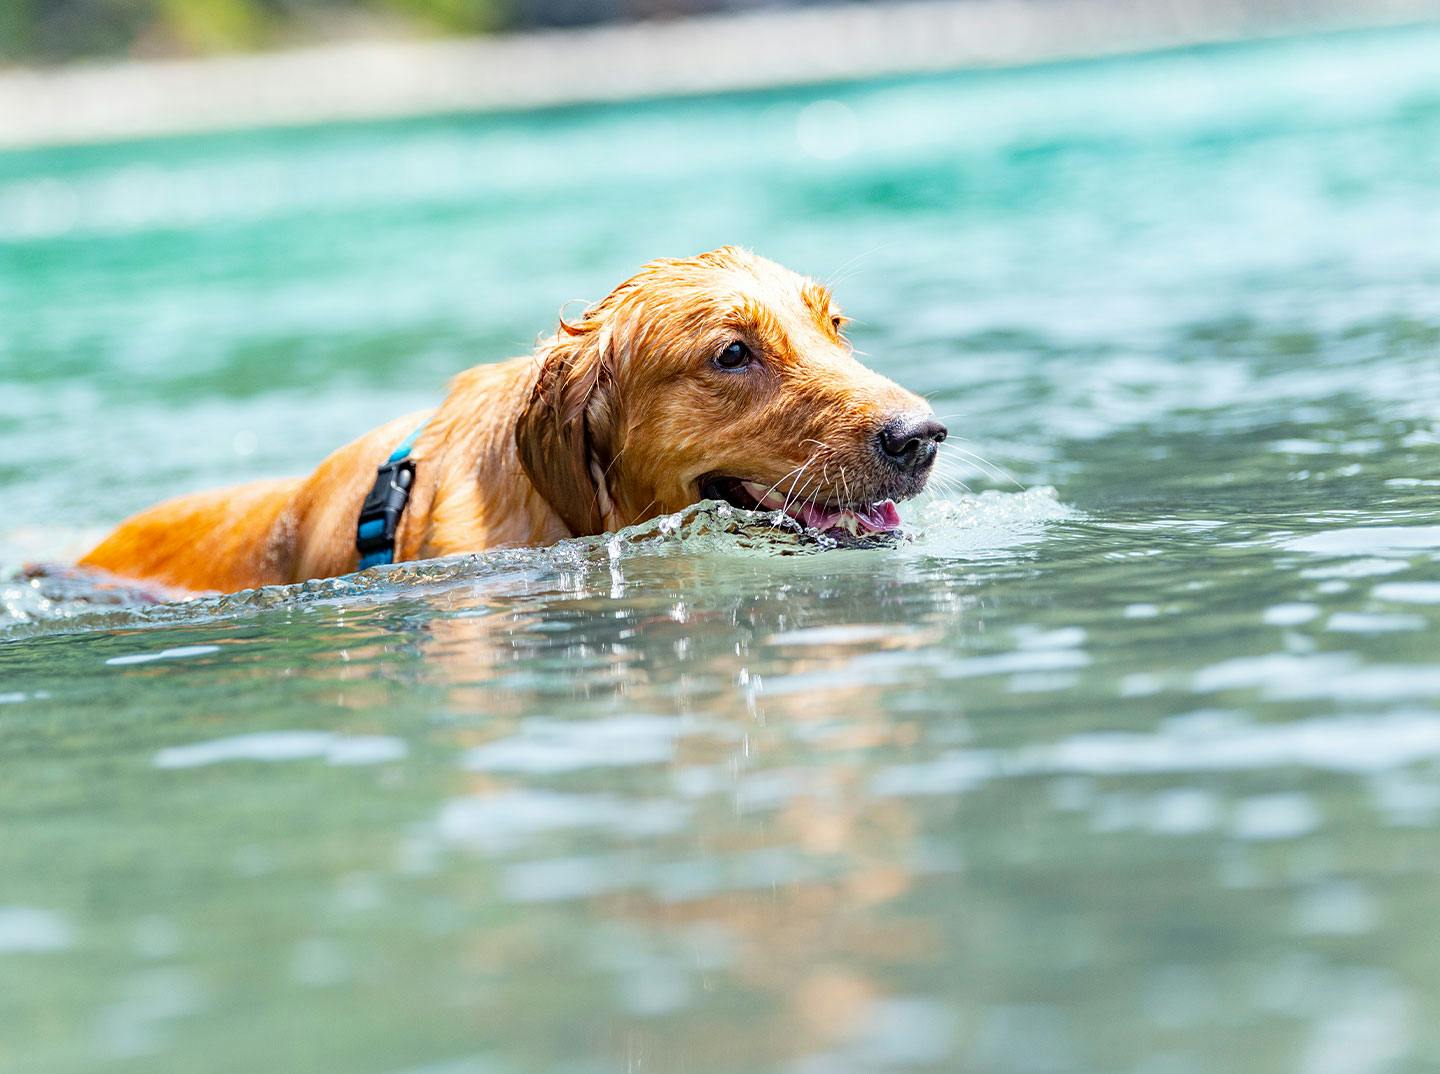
(384, 504)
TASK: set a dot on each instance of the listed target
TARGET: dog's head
(723, 376)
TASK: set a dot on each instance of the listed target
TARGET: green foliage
(458, 16)
(46, 31)
(215, 25)
(60, 29)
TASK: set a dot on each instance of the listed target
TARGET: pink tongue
(817, 518)
(879, 517)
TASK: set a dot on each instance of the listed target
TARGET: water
(1136, 770)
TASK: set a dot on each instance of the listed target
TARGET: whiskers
(794, 492)
(946, 483)
(826, 482)
(953, 455)
(840, 481)
(853, 265)
(797, 471)
(807, 483)
(949, 463)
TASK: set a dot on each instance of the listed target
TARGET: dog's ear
(554, 434)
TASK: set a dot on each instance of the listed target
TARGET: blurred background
(57, 30)
(54, 31)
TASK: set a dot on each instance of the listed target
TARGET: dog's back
(263, 533)
(205, 540)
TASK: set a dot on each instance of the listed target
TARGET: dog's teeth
(764, 496)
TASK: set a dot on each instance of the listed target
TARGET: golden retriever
(722, 376)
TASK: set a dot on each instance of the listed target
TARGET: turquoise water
(1128, 764)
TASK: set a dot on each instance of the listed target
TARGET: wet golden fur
(613, 420)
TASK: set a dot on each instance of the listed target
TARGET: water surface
(1128, 762)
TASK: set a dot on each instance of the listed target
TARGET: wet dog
(723, 376)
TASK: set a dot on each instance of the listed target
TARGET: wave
(62, 600)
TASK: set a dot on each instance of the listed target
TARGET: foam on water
(982, 527)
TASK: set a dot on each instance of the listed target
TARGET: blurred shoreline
(118, 101)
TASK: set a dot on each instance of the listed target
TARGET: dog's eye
(735, 356)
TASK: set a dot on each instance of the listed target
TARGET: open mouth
(856, 520)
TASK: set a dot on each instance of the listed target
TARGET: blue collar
(385, 503)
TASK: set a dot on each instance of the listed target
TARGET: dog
(723, 376)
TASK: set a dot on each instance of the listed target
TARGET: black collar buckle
(383, 506)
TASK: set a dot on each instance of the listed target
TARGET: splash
(988, 524)
(66, 600)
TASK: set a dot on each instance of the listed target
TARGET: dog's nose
(909, 441)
